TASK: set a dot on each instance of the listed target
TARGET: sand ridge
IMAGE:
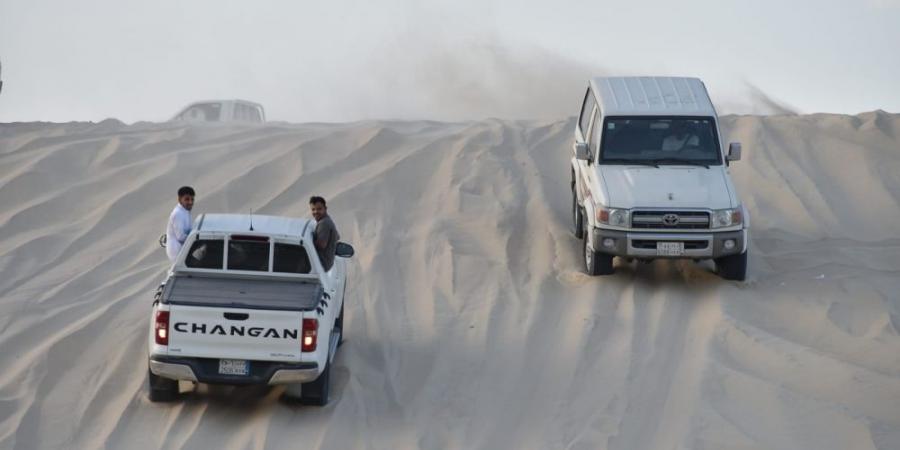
(470, 324)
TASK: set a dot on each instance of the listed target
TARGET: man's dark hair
(316, 199)
(186, 190)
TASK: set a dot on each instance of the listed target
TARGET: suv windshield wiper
(637, 162)
(681, 162)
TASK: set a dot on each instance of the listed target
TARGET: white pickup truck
(650, 178)
(247, 301)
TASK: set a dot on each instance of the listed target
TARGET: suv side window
(586, 108)
(596, 130)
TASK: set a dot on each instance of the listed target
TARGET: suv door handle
(236, 316)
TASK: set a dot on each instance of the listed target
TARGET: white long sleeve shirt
(177, 231)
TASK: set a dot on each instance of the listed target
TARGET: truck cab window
(248, 255)
(291, 258)
(205, 254)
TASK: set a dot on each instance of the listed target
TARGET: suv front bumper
(205, 370)
(642, 244)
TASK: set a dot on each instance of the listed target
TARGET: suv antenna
(251, 219)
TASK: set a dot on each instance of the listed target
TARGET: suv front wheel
(595, 263)
(733, 267)
(577, 217)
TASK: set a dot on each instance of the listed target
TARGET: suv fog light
(729, 244)
(609, 242)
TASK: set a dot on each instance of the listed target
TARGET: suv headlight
(613, 216)
(722, 218)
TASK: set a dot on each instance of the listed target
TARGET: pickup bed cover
(250, 293)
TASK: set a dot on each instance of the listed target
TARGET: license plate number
(670, 248)
(234, 367)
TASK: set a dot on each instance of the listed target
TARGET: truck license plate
(234, 367)
(670, 248)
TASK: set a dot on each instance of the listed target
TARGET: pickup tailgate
(234, 333)
(237, 318)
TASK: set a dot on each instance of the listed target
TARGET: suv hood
(650, 187)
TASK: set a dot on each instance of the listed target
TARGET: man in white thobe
(179, 226)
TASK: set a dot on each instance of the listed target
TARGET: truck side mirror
(582, 152)
(734, 151)
(344, 250)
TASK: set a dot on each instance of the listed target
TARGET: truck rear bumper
(205, 370)
(644, 244)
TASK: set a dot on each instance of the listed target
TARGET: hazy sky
(339, 60)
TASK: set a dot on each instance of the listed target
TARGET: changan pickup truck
(247, 301)
(650, 178)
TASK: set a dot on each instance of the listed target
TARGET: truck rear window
(291, 258)
(248, 255)
(206, 254)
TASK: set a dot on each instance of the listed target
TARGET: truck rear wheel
(339, 324)
(595, 263)
(316, 392)
(733, 267)
(162, 389)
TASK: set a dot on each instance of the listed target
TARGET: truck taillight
(310, 335)
(162, 327)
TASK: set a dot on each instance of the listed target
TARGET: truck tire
(595, 263)
(316, 392)
(577, 216)
(339, 324)
(733, 267)
(162, 389)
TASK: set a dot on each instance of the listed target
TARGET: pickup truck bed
(248, 293)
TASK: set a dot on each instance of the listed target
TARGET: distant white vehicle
(247, 301)
(650, 177)
(222, 111)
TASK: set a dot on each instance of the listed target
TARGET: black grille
(656, 220)
(649, 244)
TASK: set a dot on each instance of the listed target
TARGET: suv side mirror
(344, 250)
(582, 152)
(734, 151)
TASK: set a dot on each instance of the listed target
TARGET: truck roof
(652, 96)
(237, 223)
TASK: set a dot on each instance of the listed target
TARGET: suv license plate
(234, 367)
(670, 248)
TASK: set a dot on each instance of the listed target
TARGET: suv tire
(595, 263)
(733, 267)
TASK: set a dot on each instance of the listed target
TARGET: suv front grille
(670, 220)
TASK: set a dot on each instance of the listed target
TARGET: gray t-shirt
(326, 237)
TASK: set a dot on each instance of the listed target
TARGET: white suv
(650, 178)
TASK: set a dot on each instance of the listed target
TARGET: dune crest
(470, 324)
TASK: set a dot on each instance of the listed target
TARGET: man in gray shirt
(326, 235)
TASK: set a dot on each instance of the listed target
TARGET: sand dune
(470, 322)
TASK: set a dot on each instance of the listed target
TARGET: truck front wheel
(162, 389)
(733, 267)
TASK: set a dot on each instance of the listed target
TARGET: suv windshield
(660, 140)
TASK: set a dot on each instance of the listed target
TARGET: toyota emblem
(670, 219)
